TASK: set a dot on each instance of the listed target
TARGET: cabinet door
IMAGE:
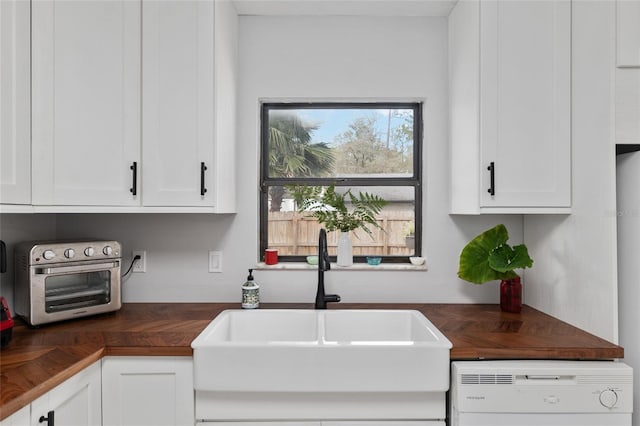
(628, 33)
(147, 391)
(15, 133)
(77, 401)
(261, 423)
(178, 102)
(21, 417)
(85, 101)
(525, 103)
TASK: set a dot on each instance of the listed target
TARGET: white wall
(311, 58)
(575, 273)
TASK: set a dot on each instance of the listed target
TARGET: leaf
(330, 208)
(505, 258)
(474, 259)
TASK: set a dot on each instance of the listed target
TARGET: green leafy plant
(410, 229)
(330, 207)
(488, 257)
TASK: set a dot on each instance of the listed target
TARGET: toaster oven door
(68, 291)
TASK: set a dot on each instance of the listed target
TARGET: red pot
(511, 295)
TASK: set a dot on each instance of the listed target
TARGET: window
(371, 148)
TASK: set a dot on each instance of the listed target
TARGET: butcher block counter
(39, 359)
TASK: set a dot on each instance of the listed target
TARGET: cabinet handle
(50, 419)
(134, 187)
(203, 168)
(492, 171)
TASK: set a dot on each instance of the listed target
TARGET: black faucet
(323, 265)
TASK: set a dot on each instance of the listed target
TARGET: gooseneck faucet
(323, 265)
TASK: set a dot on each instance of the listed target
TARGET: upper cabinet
(15, 126)
(187, 46)
(133, 105)
(628, 33)
(627, 74)
(178, 102)
(86, 102)
(510, 97)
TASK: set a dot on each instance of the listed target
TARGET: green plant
(330, 207)
(488, 257)
(411, 229)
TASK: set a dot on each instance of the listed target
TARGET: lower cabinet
(123, 391)
(330, 423)
(147, 391)
(21, 417)
(74, 402)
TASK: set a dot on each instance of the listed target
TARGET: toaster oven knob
(107, 250)
(48, 254)
(89, 251)
(69, 253)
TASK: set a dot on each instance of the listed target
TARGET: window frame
(415, 180)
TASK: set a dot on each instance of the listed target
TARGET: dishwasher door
(541, 393)
(541, 419)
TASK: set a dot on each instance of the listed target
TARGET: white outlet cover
(215, 261)
(140, 265)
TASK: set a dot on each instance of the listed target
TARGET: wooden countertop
(39, 359)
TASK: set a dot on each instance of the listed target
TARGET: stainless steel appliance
(56, 281)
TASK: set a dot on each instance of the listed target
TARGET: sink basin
(260, 327)
(380, 327)
(321, 351)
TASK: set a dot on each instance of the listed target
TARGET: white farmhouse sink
(297, 351)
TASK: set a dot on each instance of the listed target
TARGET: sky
(336, 121)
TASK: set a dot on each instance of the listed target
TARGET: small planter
(410, 242)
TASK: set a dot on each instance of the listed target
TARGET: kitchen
(575, 273)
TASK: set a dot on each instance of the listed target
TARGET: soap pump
(250, 293)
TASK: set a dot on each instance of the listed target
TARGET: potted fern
(330, 208)
(488, 257)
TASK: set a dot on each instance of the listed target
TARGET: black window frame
(415, 180)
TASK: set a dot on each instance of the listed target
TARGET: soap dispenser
(250, 293)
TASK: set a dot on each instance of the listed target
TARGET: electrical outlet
(140, 265)
(215, 261)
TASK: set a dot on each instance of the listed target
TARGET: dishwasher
(541, 393)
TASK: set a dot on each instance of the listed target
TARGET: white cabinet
(133, 105)
(330, 423)
(178, 102)
(628, 33)
(153, 391)
(85, 101)
(15, 126)
(77, 401)
(188, 104)
(627, 73)
(21, 417)
(510, 106)
(259, 423)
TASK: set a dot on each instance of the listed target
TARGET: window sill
(302, 266)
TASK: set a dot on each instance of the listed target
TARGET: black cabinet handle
(134, 186)
(50, 419)
(203, 168)
(3, 257)
(492, 170)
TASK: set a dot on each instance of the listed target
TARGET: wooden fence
(292, 233)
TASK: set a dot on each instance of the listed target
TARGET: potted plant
(330, 208)
(410, 236)
(488, 257)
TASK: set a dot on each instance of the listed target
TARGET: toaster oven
(56, 281)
